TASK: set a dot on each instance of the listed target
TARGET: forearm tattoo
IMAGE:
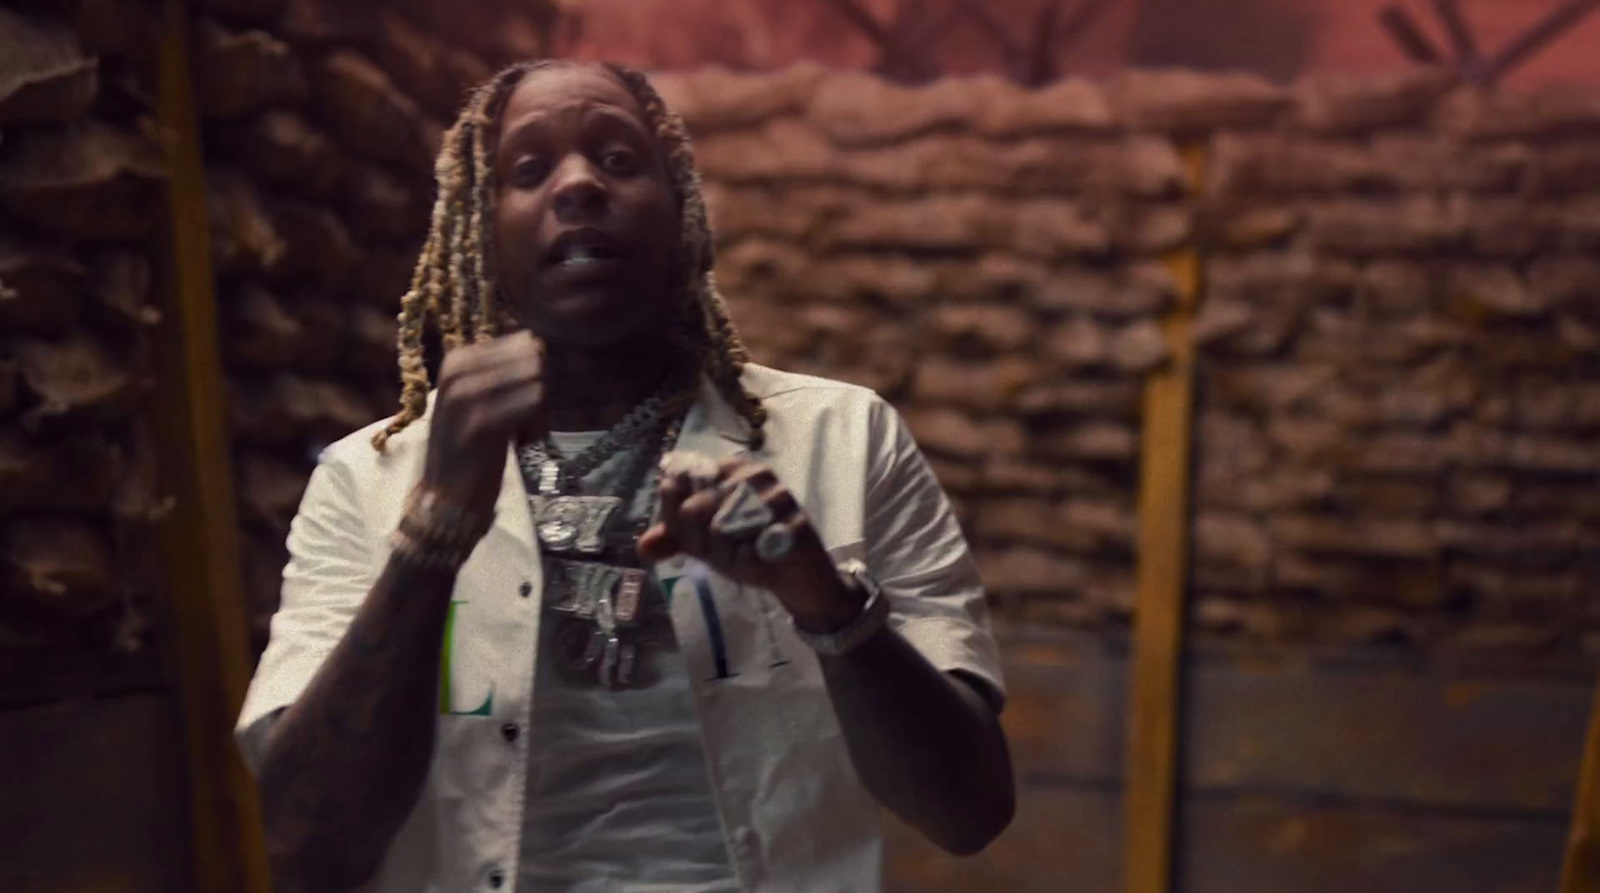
(343, 767)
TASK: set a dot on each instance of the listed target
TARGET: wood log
(76, 382)
(244, 236)
(138, 497)
(262, 330)
(246, 12)
(41, 288)
(118, 28)
(238, 72)
(496, 32)
(380, 208)
(372, 349)
(269, 490)
(317, 246)
(88, 180)
(259, 332)
(385, 395)
(122, 291)
(324, 324)
(385, 277)
(8, 386)
(325, 22)
(44, 74)
(62, 567)
(282, 148)
(288, 408)
(78, 473)
(367, 112)
(436, 74)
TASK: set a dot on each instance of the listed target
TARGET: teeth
(579, 255)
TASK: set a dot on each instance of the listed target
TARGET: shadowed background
(1382, 288)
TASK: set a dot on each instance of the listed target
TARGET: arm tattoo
(344, 765)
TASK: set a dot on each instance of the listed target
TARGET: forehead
(550, 92)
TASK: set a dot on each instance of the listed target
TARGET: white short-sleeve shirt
(795, 815)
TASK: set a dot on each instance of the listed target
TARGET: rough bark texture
(82, 181)
(321, 120)
(1397, 337)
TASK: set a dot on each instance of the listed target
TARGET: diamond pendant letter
(629, 593)
(549, 477)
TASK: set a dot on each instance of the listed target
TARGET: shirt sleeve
(916, 550)
(333, 563)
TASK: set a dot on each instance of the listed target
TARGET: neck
(594, 388)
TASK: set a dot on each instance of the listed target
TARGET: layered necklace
(596, 585)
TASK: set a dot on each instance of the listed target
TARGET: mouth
(583, 249)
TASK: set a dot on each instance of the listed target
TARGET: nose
(578, 194)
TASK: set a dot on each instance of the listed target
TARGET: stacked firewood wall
(1401, 376)
(1398, 337)
(82, 224)
(321, 122)
(987, 257)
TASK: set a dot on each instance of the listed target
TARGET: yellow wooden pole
(199, 539)
(1163, 559)
(1580, 872)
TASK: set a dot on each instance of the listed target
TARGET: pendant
(577, 587)
(579, 645)
(549, 477)
(630, 593)
(616, 663)
(615, 666)
(573, 523)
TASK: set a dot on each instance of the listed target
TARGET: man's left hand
(805, 580)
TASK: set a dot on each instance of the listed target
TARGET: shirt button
(526, 589)
(496, 878)
(509, 732)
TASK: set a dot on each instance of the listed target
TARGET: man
(690, 675)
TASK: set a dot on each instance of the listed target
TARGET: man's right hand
(488, 394)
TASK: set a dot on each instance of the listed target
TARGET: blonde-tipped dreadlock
(454, 281)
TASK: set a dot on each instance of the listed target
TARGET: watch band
(874, 615)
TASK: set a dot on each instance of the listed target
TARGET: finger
(658, 544)
(473, 359)
(699, 507)
(501, 417)
(524, 412)
(755, 474)
(781, 501)
(732, 466)
(673, 491)
(694, 521)
(491, 388)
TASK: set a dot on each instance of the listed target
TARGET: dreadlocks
(454, 279)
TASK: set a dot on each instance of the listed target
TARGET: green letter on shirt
(445, 704)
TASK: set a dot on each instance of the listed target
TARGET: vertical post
(1580, 871)
(198, 541)
(1162, 574)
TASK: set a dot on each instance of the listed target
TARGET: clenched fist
(489, 393)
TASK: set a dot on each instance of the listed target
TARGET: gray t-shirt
(619, 796)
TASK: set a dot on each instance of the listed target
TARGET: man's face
(586, 226)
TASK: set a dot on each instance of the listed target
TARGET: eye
(619, 162)
(530, 170)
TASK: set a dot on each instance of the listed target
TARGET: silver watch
(874, 614)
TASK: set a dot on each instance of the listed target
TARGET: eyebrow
(530, 125)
